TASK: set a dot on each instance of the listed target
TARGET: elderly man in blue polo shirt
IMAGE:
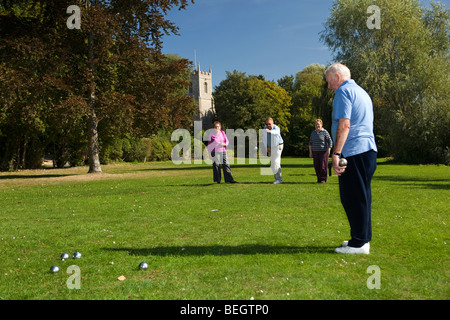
(274, 145)
(353, 138)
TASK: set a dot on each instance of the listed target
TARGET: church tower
(201, 91)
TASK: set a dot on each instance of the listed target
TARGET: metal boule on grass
(77, 255)
(143, 265)
(64, 256)
(54, 269)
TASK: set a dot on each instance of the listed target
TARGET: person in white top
(274, 145)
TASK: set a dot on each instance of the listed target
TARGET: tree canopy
(245, 102)
(404, 66)
(308, 104)
(75, 93)
(65, 89)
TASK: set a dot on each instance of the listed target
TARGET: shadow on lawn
(238, 165)
(417, 182)
(248, 249)
(269, 182)
(34, 176)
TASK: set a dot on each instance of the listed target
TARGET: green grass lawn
(252, 240)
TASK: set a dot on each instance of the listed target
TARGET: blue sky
(273, 38)
(269, 37)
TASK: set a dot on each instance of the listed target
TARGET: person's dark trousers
(220, 159)
(321, 165)
(356, 196)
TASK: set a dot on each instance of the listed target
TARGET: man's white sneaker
(345, 244)
(277, 182)
(365, 249)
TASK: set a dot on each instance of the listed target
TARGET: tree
(109, 73)
(403, 65)
(307, 105)
(131, 25)
(30, 82)
(245, 102)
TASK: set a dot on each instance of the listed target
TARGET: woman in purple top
(320, 144)
(217, 147)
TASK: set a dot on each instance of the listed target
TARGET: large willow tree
(402, 60)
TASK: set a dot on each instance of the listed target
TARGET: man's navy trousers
(356, 196)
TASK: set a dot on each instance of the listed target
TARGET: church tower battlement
(201, 90)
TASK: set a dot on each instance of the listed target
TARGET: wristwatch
(337, 154)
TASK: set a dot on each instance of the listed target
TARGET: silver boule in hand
(343, 162)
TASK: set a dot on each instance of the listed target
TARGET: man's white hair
(343, 70)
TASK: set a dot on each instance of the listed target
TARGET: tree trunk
(93, 152)
(23, 163)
